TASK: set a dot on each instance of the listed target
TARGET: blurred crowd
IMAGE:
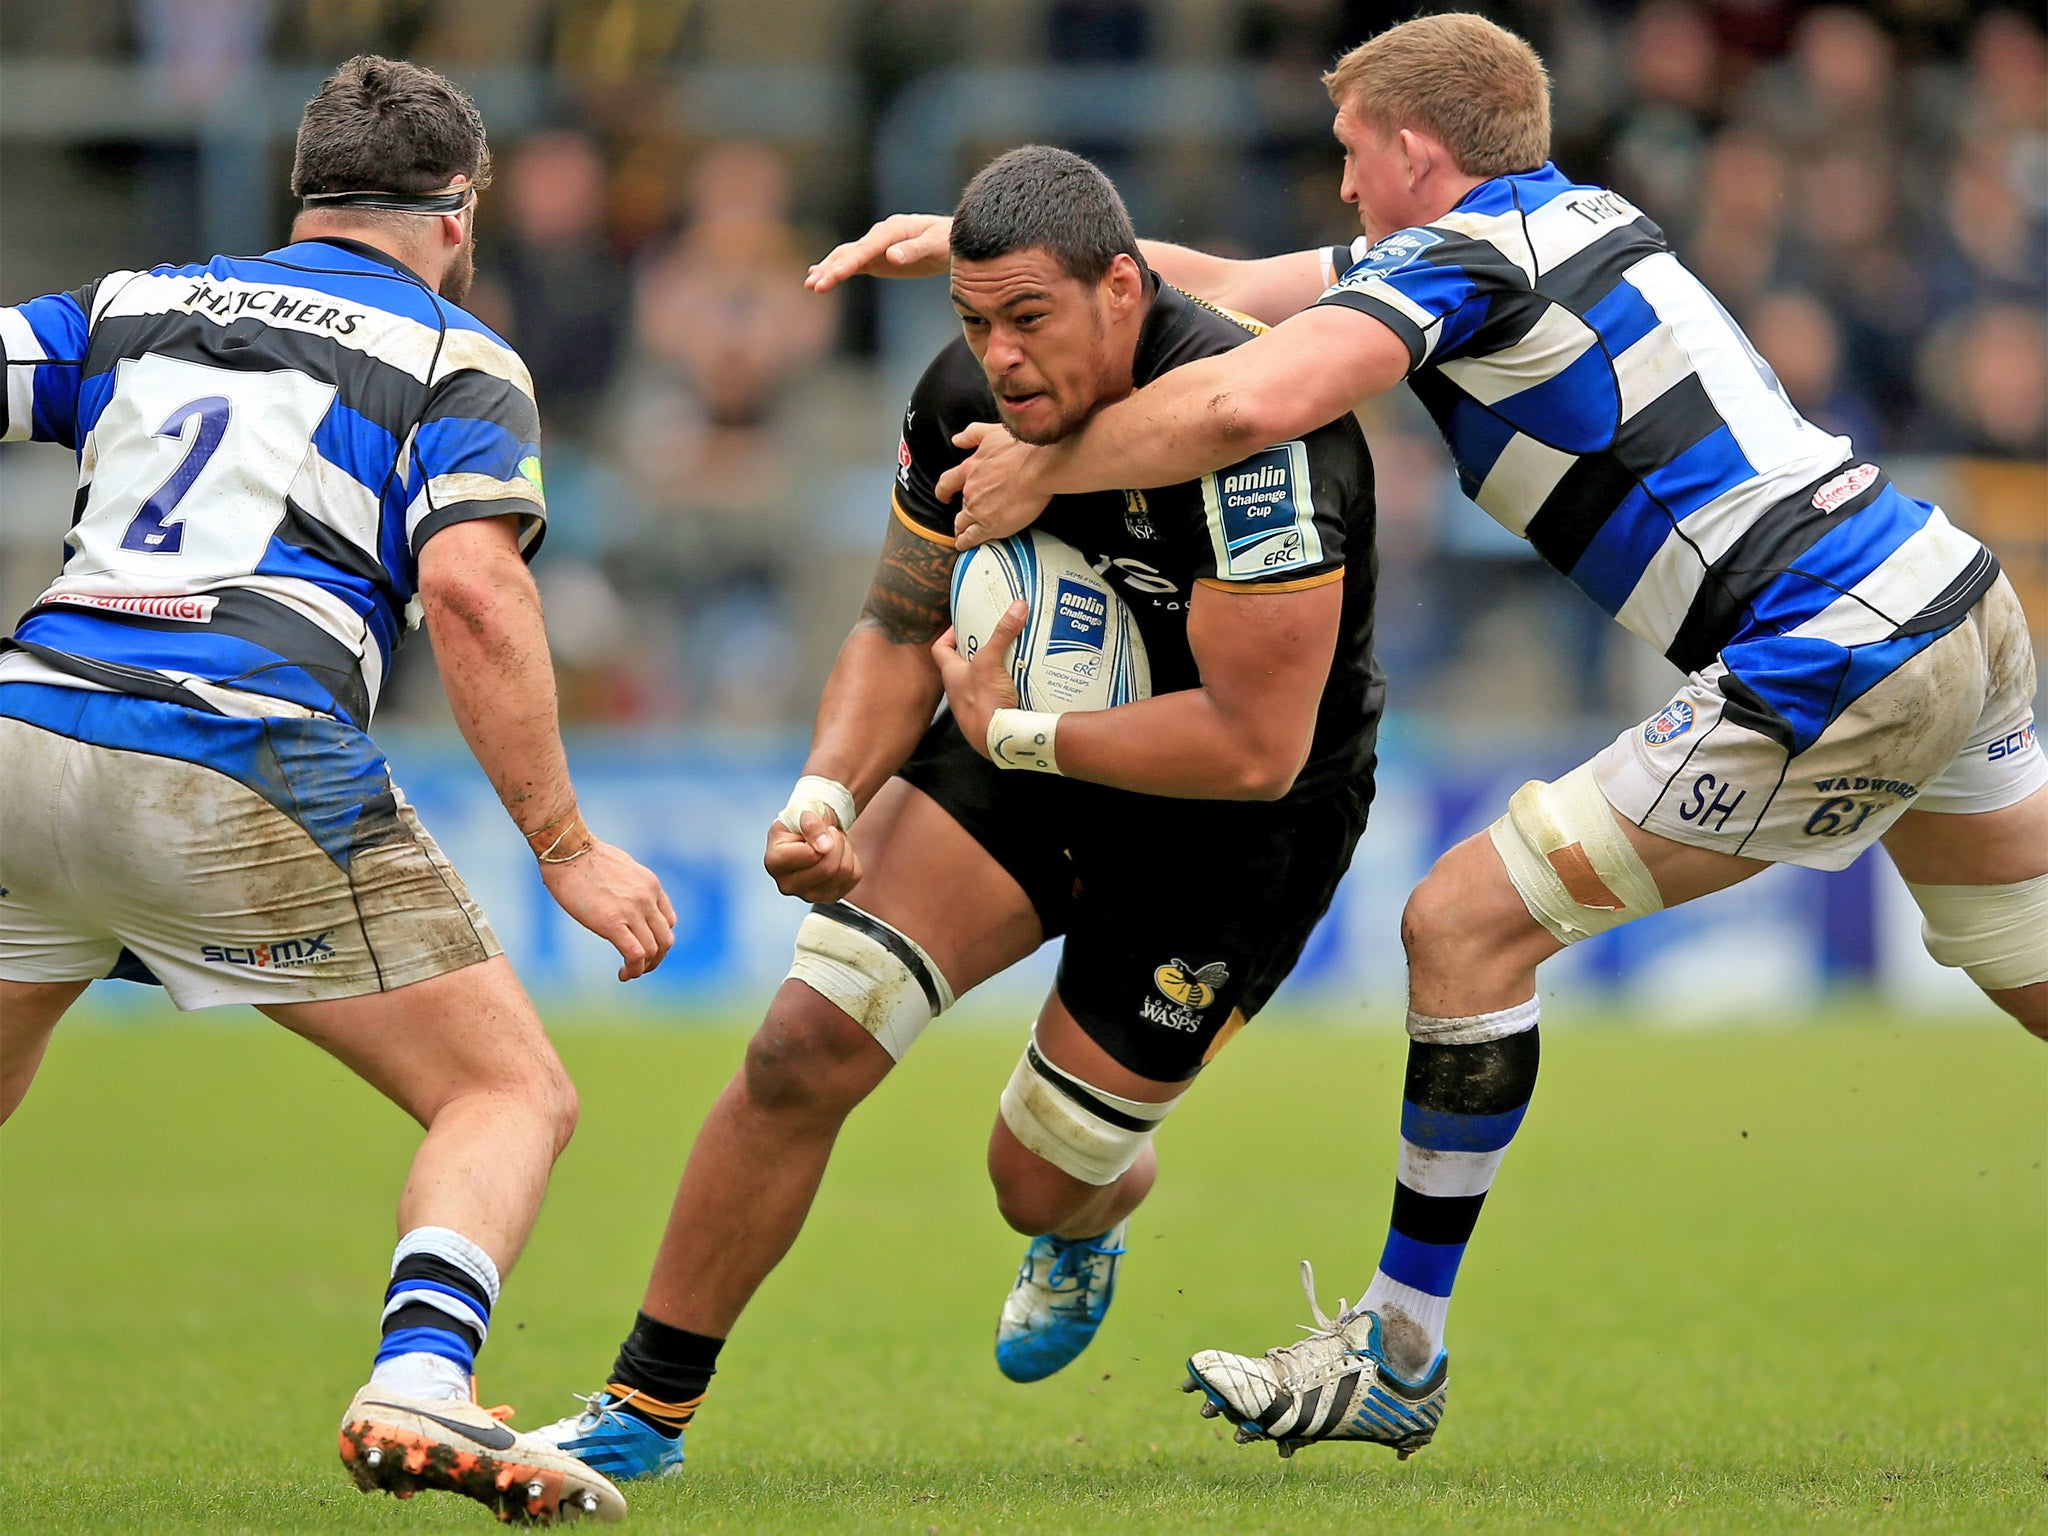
(1866, 188)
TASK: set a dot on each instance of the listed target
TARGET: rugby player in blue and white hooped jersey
(1858, 668)
(281, 458)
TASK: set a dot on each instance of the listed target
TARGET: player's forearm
(1213, 412)
(1198, 418)
(1185, 746)
(1268, 288)
(491, 647)
(876, 705)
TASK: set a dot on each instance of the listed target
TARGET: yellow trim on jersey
(916, 527)
(1256, 327)
(1320, 579)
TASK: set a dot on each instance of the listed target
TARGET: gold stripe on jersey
(1235, 317)
(918, 528)
(1320, 579)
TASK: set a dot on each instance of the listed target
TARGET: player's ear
(1124, 284)
(1417, 153)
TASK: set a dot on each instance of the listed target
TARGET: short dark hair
(1040, 196)
(383, 125)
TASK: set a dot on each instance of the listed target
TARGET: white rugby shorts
(220, 894)
(1950, 731)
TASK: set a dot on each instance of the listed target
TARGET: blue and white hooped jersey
(265, 444)
(1600, 403)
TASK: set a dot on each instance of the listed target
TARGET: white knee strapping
(877, 975)
(1576, 872)
(1996, 934)
(1075, 1126)
(1473, 1029)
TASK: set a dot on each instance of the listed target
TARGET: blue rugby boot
(1062, 1293)
(1335, 1384)
(607, 1439)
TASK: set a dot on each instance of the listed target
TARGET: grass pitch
(1751, 1280)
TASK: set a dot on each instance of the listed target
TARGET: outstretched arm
(1197, 418)
(1268, 289)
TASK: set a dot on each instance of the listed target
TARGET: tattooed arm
(885, 685)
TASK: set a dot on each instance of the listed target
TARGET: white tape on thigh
(1576, 871)
(1078, 1128)
(879, 976)
(1996, 934)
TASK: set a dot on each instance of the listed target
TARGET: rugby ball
(1080, 648)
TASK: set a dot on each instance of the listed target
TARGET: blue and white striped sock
(1462, 1104)
(437, 1314)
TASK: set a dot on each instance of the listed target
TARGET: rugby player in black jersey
(1184, 845)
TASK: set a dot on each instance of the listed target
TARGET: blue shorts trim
(327, 776)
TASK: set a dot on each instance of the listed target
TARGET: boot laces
(1328, 1346)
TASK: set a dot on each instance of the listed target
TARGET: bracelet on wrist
(548, 841)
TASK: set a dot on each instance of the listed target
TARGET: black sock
(669, 1369)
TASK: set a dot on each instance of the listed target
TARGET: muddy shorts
(1950, 730)
(232, 860)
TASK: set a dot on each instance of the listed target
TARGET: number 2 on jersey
(152, 533)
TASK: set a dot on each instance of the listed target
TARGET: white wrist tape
(1023, 738)
(813, 793)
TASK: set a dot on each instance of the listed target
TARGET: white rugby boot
(1335, 1384)
(402, 1445)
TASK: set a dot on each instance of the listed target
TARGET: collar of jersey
(1167, 306)
(1526, 190)
(356, 248)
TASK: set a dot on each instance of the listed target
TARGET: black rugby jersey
(1294, 515)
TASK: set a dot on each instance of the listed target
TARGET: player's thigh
(927, 875)
(1981, 882)
(1998, 847)
(29, 1012)
(466, 1031)
(935, 913)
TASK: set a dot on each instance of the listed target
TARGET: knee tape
(877, 975)
(1576, 873)
(1075, 1126)
(1996, 934)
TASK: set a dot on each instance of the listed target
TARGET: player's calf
(1070, 1161)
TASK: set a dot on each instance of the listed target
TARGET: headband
(452, 200)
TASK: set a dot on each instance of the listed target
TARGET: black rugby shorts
(1180, 917)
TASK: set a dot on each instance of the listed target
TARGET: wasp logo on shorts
(1187, 990)
(1672, 722)
(1191, 987)
(277, 955)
